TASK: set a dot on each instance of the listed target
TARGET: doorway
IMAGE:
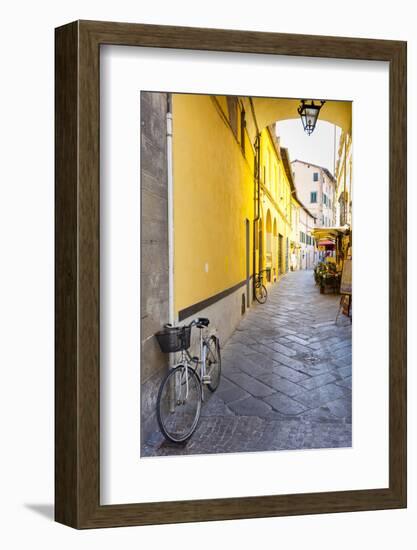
(280, 253)
(247, 251)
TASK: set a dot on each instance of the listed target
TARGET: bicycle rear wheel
(261, 294)
(213, 363)
(179, 404)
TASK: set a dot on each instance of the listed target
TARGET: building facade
(273, 245)
(308, 253)
(343, 201)
(316, 188)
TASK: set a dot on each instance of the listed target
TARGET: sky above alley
(319, 148)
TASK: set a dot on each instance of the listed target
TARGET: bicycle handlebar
(200, 322)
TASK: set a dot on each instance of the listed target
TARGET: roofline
(286, 161)
(284, 155)
(305, 208)
(326, 170)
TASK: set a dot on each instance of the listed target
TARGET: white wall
(26, 331)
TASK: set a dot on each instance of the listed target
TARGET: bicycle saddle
(203, 322)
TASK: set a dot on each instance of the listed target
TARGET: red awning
(325, 243)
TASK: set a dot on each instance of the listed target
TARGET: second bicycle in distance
(261, 293)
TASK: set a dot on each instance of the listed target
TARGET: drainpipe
(344, 182)
(171, 316)
(256, 193)
(257, 202)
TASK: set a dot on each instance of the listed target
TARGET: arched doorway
(275, 252)
(268, 247)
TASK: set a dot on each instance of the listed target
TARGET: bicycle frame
(259, 277)
(189, 361)
(258, 280)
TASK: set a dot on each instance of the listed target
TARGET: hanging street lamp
(309, 113)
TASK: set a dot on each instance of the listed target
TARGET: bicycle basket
(172, 339)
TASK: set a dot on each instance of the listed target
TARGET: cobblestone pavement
(286, 378)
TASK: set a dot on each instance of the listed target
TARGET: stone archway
(268, 244)
(275, 249)
(271, 110)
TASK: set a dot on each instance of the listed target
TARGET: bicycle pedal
(206, 379)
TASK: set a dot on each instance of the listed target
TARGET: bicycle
(181, 392)
(261, 294)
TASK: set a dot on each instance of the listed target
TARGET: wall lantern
(309, 113)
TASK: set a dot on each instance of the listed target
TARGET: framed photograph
(230, 274)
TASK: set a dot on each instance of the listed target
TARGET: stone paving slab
(298, 340)
(290, 362)
(340, 408)
(281, 384)
(286, 379)
(253, 368)
(319, 380)
(277, 347)
(290, 374)
(216, 406)
(232, 394)
(284, 404)
(320, 415)
(321, 395)
(344, 372)
(251, 407)
(345, 382)
(250, 384)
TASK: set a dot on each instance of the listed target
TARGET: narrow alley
(286, 378)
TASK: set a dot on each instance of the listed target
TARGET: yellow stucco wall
(213, 196)
(344, 173)
(276, 198)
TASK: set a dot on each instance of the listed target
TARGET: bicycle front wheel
(261, 294)
(179, 404)
(213, 363)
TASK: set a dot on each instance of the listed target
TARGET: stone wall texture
(154, 250)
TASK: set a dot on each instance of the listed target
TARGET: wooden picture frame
(77, 382)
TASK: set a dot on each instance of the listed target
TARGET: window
(313, 196)
(275, 182)
(324, 198)
(315, 176)
(269, 164)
